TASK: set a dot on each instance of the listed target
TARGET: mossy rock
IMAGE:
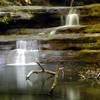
(72, 42)
(90, 10)
(90, 55)
(90, 14)
(79, 29)
(11, 2)
(4, 2)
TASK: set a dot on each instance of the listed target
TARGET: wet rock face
(49, 2)
(82, 29)
(30, 17)
(64, 2)
(40, 2)
(44, 17)
(81, 43)
(35, 21)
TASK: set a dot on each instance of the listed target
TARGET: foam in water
(72, 19)
(26, 53)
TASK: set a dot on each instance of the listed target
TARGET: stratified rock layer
(77, 43)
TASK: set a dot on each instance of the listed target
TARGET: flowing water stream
(71, 4)
(69, 20)
(26, 53)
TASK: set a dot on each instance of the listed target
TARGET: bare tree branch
(39, 71)
(48, 72)
(33, 71)
(55, 81)
(40, 66)
(62, 70)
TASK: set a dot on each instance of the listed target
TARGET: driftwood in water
(39, 71)
(54, 82)
(48, 72)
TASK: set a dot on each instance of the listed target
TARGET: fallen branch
(39, 71)
(55, 81)
(62, 70)
(31, 72)
(40, 66)
(48, 72)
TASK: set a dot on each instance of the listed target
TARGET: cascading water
(26, 53)
(62, 20)
(20, 58)
(72, 19)
(69, 20)
(71, 4)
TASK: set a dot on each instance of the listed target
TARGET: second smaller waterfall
(72, 18)
(69, 20)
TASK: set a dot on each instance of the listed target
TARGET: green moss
(5, 20)
(10, 2)
(3, 2)
(80, 29)
(93, 46)
(25, 31)
(91, 10)
(93, 29)
(90, 51)
(89, 55)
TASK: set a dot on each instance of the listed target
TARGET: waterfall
(71, 4)
(26, 53)
(20, 58)
(70, 20)
(26, 44)
(62, 20)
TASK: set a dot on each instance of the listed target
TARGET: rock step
(71, 42)
(54, 49)
(90, 56)
(40, 16)
(79, 29)
(90, 14)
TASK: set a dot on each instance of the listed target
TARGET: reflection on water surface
(13, 84)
